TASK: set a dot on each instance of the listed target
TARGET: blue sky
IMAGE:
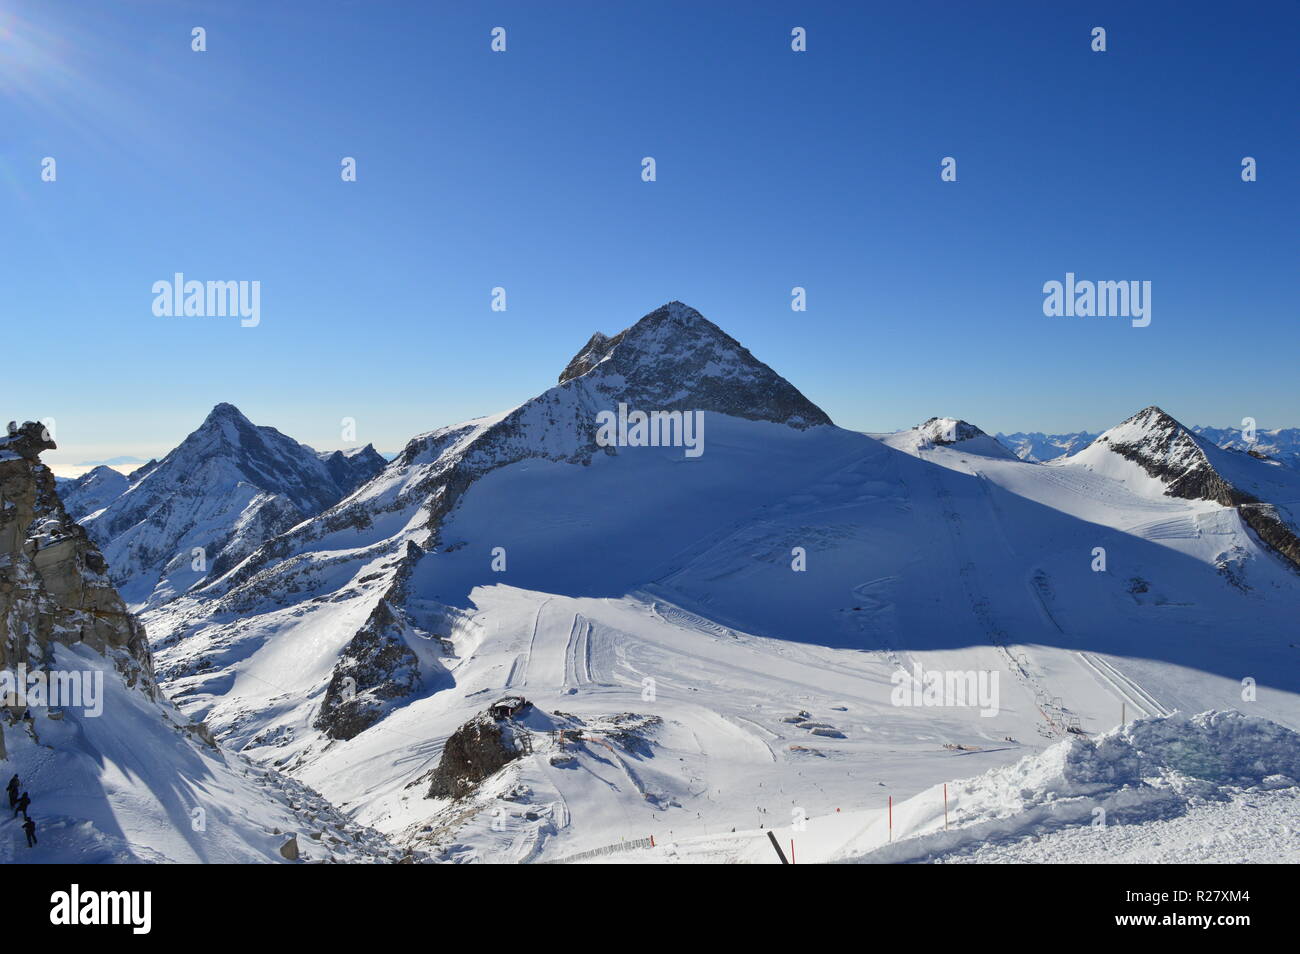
(522, 169)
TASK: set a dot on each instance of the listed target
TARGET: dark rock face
(27, 441)
(591, 354)
(53, 584)
(475, 751)
(1169, 452)
(375, 669)
(351, 471)
(1263, 518)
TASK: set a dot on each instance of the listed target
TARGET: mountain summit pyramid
(229, 486)
(676, 359)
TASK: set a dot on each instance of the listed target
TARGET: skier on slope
(29, 827)
(13, 791)
(21, 805)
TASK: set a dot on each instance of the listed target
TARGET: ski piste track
(557, 651)
(570, 648)
(1055, 713)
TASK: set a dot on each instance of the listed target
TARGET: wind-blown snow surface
(650, 608)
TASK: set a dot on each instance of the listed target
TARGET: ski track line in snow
(1127, 689)
(876, 605)
(532, 642)
(1160, 708)
(516, 667)
(577, 653)
(981, 607)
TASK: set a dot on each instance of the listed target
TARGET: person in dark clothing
(29, 826)
(13, 791)
(21, 805)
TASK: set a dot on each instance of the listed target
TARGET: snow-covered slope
(92, 491)
(1219, 787)
(227, 488)
(952, 432)
(712, 642)
(114, 771)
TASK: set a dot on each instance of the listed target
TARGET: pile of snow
(1144, 772)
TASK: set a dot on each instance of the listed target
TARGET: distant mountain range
(1282, 444)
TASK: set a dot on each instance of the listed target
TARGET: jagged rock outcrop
(130, 754)
(350, 469)
(53, 581)
(377, 667)
(478, 749)
(54, 587)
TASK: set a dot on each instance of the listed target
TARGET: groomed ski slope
(649, 566)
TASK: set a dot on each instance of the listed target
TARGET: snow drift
(1147, 770)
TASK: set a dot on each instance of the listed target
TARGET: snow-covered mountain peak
(1152, 427)
(1155, 455)
(93, 490)
(940, 432)
(223, 410)
(676, 359)
(948, 430)
(1166, 450)
(226, 488)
